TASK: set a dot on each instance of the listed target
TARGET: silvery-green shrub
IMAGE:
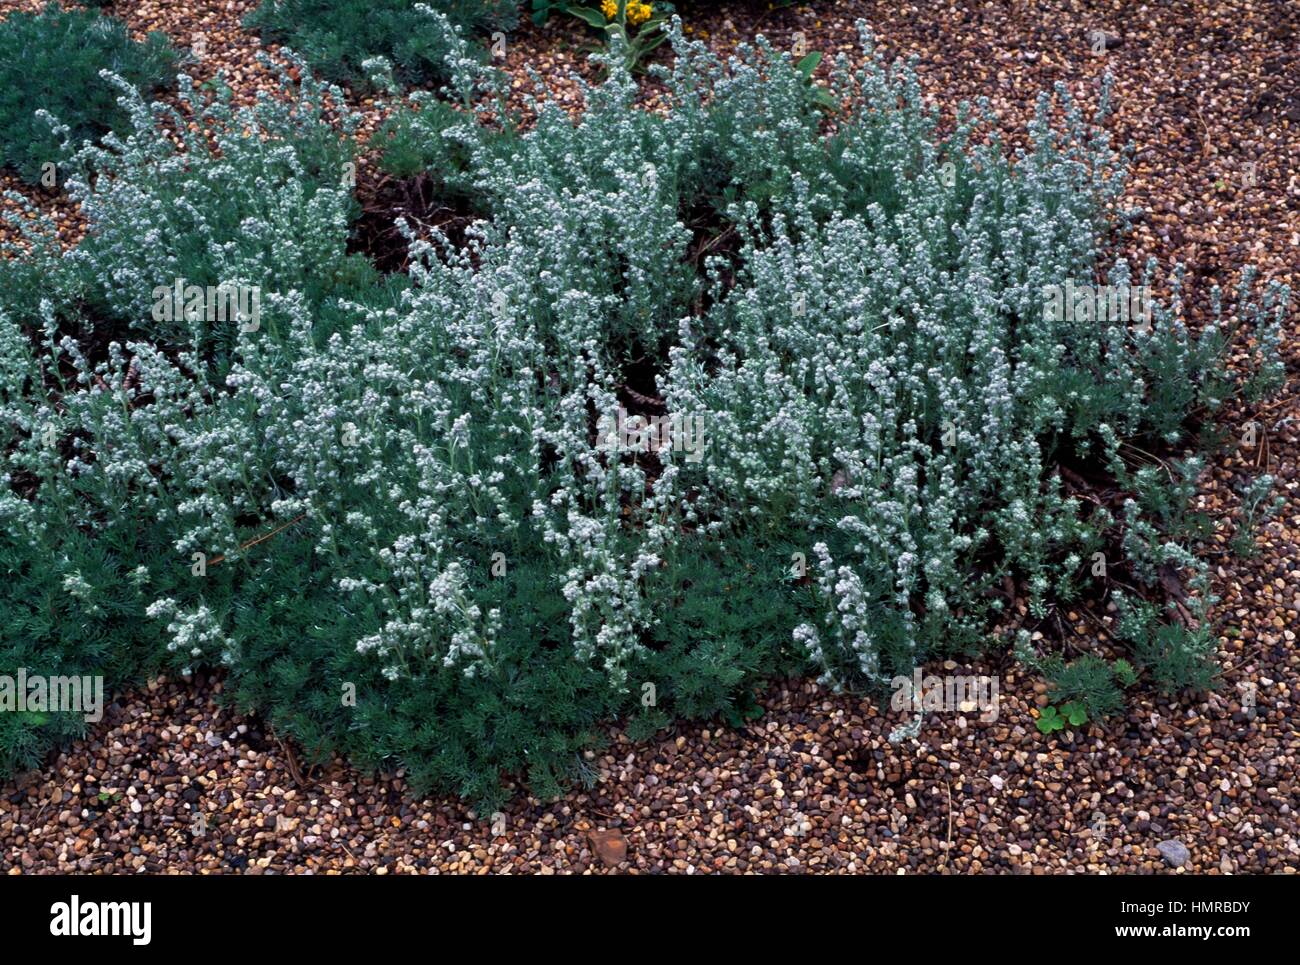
(401, 481)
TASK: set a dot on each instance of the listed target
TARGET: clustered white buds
(900, 417)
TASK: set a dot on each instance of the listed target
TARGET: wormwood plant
(391, 511)
(50, 62)
(1255, 508)
(337, 36)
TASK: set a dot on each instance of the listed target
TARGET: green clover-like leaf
(1075, 713)
(1049, 720)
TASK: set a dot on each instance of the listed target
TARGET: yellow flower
(638, 13)
(609, 8)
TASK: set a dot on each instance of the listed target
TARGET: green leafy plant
(1075, 714)
(542, 10)
(1178, 657)
(50, 65)
(1124, 672)
(337, 37)
(1255, 509)
(633, 28)
(820, 95)
(1089, 687)
(1050, 720)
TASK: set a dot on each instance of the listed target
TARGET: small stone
(1104, 40)
(611, 847)
(1174, 852)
